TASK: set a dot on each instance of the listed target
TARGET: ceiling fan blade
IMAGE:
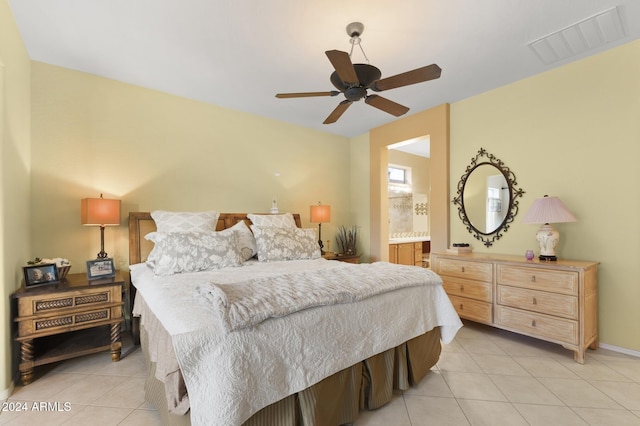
(386, 105)
(306, 94)
(430, 72)
(343, 66)
(336, 113)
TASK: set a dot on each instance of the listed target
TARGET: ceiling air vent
(588, 34)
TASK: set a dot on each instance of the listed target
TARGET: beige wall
(157, 151)
(572, 132)
(15, 151)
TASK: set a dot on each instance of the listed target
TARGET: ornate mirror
(486, 197)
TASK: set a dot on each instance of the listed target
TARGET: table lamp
(100, 212)
(320, 214)
(547, 210)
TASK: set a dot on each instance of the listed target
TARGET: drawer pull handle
(535, 302)
(461, 307)
(533, 323)
(461, 287)
(533, 278)
(463, 269)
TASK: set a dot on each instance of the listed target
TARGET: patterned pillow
(246, 241)
(185, 221)
(285, 243)
(178, 252)
(285, 220)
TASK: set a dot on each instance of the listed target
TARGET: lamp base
(548, 239)
(547, 258)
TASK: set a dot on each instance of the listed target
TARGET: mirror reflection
(486, 197)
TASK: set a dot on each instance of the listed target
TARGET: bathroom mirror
(487, 197)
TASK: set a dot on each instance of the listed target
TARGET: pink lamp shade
(320, 213)
(548, 210)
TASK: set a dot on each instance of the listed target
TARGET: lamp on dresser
(320, 214)
(545, 211)
(100, 212)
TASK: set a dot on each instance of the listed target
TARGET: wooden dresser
(554, 301)
(72, 318)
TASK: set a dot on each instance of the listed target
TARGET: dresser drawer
(538, 301)
(555, 281)
(467, 288)
(472, 309)
(464, 269)
(538, 325)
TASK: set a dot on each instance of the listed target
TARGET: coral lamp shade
(320, 213)
(99, 212)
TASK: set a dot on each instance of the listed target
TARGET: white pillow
(284, 220)
(185, 221)
(246, 241)
(285, 243)
(178, 252)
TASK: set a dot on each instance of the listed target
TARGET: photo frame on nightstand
(100, 268)
(40, 274)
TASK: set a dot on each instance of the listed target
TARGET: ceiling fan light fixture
(355, 29)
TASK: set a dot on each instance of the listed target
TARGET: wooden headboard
(141, 223)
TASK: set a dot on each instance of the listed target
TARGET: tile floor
(485, 377)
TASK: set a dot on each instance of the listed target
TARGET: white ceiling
(239, 54)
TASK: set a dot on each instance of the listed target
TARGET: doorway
(434, 123)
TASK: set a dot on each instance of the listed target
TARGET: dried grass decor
(347, 239)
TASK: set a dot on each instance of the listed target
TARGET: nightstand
(349, 258)
(72, 318)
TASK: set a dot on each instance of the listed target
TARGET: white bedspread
(247, 303)
(230, 376)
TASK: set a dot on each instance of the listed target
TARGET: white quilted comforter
(231, 375)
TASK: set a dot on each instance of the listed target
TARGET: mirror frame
(488, 238)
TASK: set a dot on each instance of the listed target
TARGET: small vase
(529, 254)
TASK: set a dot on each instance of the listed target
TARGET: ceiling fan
(353, 80)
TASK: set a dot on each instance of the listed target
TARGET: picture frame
(40, 274)
(100, 268)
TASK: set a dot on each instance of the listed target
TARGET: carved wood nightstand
(349, 258)
(72, 318)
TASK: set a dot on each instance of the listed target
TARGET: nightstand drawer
(44, 326)
(538, 301)
(466, 288)
(68, 301)
(555, 281)
(472, 309)
(462, 269)
(538, 325)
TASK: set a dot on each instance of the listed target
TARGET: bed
(316, 365)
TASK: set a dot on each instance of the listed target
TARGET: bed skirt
(336, 400)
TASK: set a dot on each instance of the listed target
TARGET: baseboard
(6, 393)
(620, 350)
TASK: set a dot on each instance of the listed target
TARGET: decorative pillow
(285, 243)
(246, 241)
(178, 252)
(285, 220)
(185, 221)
